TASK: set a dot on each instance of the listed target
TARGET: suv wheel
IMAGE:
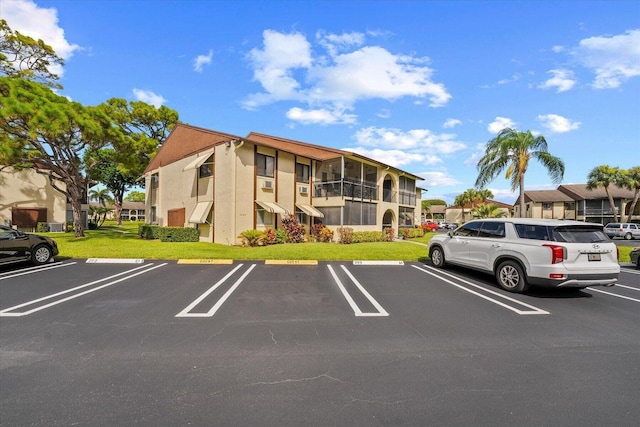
(437, 257)
(510, 277)
(628, 236)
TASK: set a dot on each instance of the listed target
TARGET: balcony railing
(355, 190)
(407, 198)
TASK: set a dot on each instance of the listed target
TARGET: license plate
(593, 257)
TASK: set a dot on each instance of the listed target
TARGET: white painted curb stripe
(534, 310)
(6, 311)
(115, 261)
(378, 262)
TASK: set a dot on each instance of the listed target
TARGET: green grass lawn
(111, 241)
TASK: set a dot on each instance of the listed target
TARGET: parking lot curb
(290, 262)
(205, 261)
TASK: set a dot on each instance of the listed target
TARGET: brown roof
(545, 196)
(580, 192)
(184, 141)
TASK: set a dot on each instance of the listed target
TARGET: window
(266, 165)
(302, 217)
(302, 173)
(534, 232)
(331, 215)
(264, 217)
(206, 169)
(547, 206)
(570, 206)
(406, 217)
(492, 229)
(468, 230)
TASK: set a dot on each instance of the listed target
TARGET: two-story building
(27, 198)
(225, 184)
(577, 202)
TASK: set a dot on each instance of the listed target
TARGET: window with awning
(272, 207)
(310, 210)
(198, 161)
(200, 213)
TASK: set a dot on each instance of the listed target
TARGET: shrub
(410, 233)
(251, 237)
(168, 234)
(281, 236)
(368, 236)
(42, 227)
(390, 234)
(345, 235)
(178, 234)
(269, 236)
(321, 233)
(295, 232)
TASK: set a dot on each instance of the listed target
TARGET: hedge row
(168, 234)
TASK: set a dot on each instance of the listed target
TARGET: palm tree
(466, 198)
(604, 176)
(487, 210)
(102, 196)
(630, 179)
(512, 150)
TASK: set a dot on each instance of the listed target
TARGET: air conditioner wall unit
(267, 184)
(303, 190)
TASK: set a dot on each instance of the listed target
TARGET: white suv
(525, 251)
(625, 230)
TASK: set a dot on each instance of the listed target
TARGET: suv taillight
(558, 253)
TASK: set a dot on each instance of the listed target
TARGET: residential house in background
(27, 198)
(225, 184)
(455, 213)
(549, 204)
(576, 201)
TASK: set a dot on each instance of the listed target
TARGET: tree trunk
(76, 208)
(632, 208)
(612, 204)
(522, 204)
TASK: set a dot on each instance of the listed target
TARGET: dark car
(635, 256)
(16, 246)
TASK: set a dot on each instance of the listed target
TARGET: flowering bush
(345, 235)
(321, 233)
(295, 232)
(390, 234)
(269, 236)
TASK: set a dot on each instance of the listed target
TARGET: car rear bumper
(576, 281)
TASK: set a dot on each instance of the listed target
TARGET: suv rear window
(613, 225)
(580, 234)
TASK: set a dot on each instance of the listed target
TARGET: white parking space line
(626, 287)
(9, 312)
(533, 310)
(187, 311)
(356, 310)
(31, 270)
(616, 295)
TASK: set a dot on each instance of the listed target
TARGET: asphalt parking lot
(337, 343)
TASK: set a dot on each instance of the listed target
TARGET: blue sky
(420, 85)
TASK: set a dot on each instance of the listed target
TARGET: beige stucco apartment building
(27, 198)
(224, 184)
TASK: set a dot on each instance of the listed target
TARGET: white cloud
(384, 113)
(563, 80)
(201, 61)
(451, 123)
(513, 78)
(419, 140)
(500, 123)
(39, 23)
(149, 97)
(558, 124)
(396, 158)
(320, 116)
(614, 59)
(287, 71)
(439, 179)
